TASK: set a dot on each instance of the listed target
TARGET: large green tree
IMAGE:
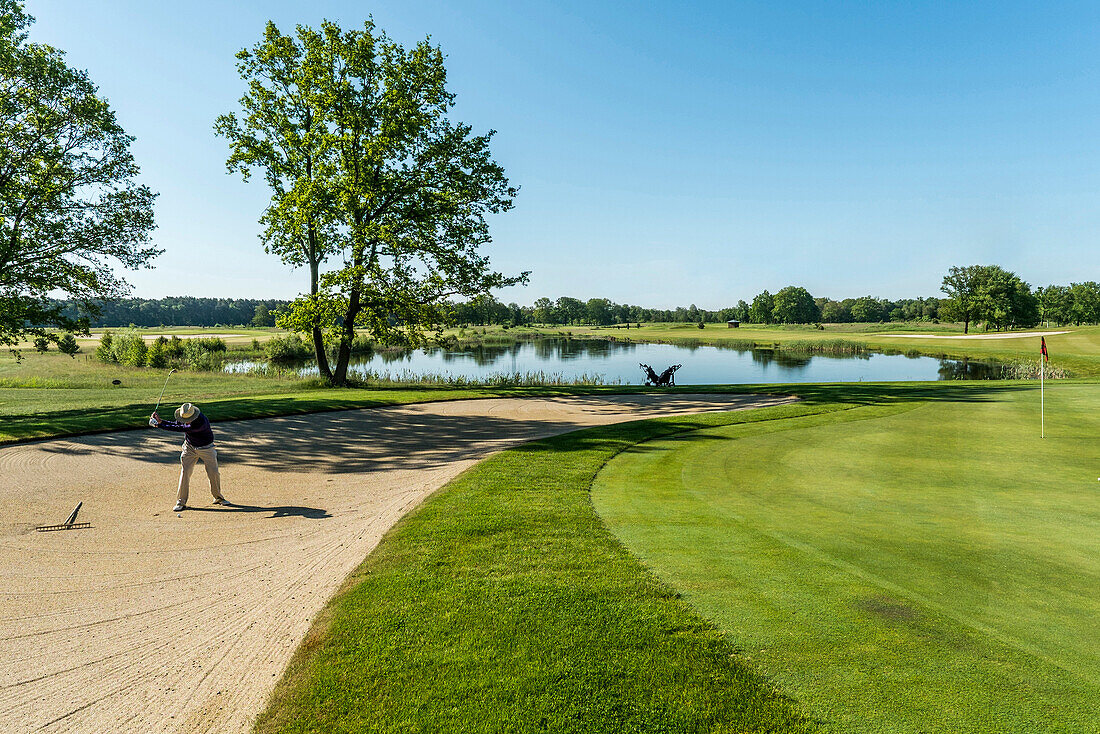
(283, 131)
(988, 293)
(1007, 300)
(1055, 304)
(760, 312)
(1085, 308)
(366, 167)
(70, 208)
(963, 288)
(795, 305)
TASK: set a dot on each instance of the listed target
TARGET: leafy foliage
(352, 133)
(988, 293)
(1077, 303)
(70, 208)
(130, 348)
(761, 310)
(67, 345)
(794, 305)
(287, 349)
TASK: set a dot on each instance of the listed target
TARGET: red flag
(1043, 348)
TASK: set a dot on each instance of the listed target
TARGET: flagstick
(1042, 403)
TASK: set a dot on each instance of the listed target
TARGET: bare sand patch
(1007, 335)
(152, 622)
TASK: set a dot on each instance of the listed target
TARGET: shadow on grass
(869, 393)
(814, 399)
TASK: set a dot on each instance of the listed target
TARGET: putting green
(916, 568)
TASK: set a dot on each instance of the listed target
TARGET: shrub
(130, 349)
(362, 344)
(174, 348)
(67, 345)
(209, 361)
(157, 355)
(205, 344)
(287, 349)
(105, 351)
(196, 350)
(42, 344)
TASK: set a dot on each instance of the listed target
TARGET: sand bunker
(153, 622)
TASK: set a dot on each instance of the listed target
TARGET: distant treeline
(802, 308)
(992, 302)
(179, 311)
(1077, 304)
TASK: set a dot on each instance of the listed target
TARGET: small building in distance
(733, 324)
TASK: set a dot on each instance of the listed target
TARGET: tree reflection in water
(615, 361)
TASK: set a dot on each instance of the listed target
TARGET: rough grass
(926, 566)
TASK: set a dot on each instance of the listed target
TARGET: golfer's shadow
(311, 513)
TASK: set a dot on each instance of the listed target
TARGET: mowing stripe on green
(927, 570)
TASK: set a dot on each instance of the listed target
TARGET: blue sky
(667, 153)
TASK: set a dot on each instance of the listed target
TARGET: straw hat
(186, 413)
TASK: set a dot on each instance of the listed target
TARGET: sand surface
(149, 622)
(1007, 335)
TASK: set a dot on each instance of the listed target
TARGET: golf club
(162, 391)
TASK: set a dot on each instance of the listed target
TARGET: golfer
(198, 443)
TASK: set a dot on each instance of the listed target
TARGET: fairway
(929, 566)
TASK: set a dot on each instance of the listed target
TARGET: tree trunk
(347, 334)
(318, 336)
(966, 326)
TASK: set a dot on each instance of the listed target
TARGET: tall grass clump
(537, 378)
(360, 345)
(1029, 370)
(836, 347)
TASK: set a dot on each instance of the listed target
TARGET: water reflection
(786, 360)
(617, 361)
(964, 369)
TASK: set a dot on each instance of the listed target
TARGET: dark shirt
(197, 432)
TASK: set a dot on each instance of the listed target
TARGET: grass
(923, 566)
(505, 604)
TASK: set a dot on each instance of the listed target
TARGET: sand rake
(70, 524)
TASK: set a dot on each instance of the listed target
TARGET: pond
(615, 362)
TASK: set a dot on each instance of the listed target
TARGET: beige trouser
(209, 456)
